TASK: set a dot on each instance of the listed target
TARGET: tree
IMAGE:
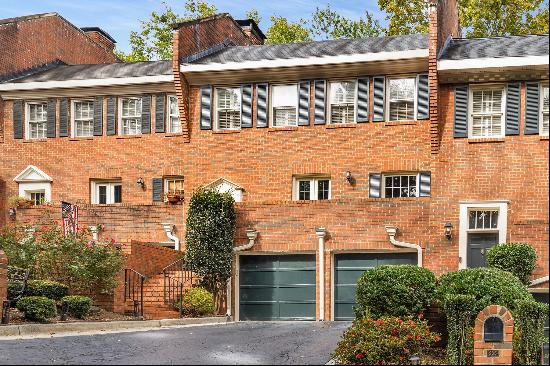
(283, 31)
(254, 15)
(328, 24)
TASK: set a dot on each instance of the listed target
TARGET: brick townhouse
(341, 155)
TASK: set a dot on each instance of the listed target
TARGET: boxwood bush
(38, 308)
(517, 258)
(529, 319)
(14, 289)
(197, 301)
(79, 306)
(398, 290)
(50, 289)
(458, 309)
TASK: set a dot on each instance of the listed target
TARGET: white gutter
(309, 61)
(251, 234)
(540, 280)
(392, 230)
(321, 233)
(169, 230)
(491, 63)
(33, 85)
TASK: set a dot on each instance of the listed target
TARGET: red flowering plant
(384, 341)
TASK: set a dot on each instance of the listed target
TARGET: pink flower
(90, 244)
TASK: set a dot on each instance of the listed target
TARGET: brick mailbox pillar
(494, 330)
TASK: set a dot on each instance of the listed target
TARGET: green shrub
(197, 301)
(529, 319)
(20, 248)
(14, 289)
(518, 258)
(79, 306)
(50, 289)
(388, 340)
(458, 309)
(401, 290)
(38, 308)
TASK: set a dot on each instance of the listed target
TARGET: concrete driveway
(234, 343)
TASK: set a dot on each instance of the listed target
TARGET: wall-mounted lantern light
(140, 183)
(348, 177)
(11, 213)
(448, 231)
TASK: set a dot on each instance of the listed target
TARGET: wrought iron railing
(133, 289)
(177, 277)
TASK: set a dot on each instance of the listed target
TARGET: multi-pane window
(83, 118)
(544, 111)
(312, 189)
(130, 112)
(401, 99)
(105, 193)
(173, 185)
(487, 112)
(36, 121)
(483, 219)
(38, 198)
(284, 104)
(228, 107)
(342, 101)
(174, 124)
(401, 185)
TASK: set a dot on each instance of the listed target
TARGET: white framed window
(82, 118)
(544, 110)
(401, 185)
(401, 96)
(37, 197)
(34, 185)
(312, 188)
(228, 108)
(284, 105)
(130, 116)
(106, 192)
(486, 111)
(173, 185)
(174, 123)
(342, 101)
(37, 115)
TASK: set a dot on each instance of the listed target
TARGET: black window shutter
(157, 189)
(374, 185)
(246, 106)
(262, 113)
(532, 100)
(512, 108)
(146, 113)
(206, 107)
(98, 116)
(17, 119)
(379, 91)
(63, 117)
(363, 99)
(303, 103)
(319, 97)
(160, 103)
(51, 118)
(111, 116)
(425, 184)
(461, 111)
(423, 97)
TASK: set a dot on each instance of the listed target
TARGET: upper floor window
(107, 192)
(487, 111)
(174, 124)
(401, 99)
(342, 101)
(401, 185)
(37, 113)
(284, 105)
(312, 188)
(130, 116)
(83, 118)
(544, 110)
(228, 108)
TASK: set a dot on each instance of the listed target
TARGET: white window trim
(541, 104)
(215, 101)
(270, 112)
(168, 115)
(119, 124)
(389, 174)
(26, 188)
(463, 230)
(165, 181)
(313, 179)
(478, 87)
(73, 115)
(110, 191)
(387, 96)
(27, 117)
(329, 104)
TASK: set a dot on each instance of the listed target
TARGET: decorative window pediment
(32, 174)
(223, 185)
(34, 185)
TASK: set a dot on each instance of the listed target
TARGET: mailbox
(493, 329)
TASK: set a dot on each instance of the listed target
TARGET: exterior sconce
(349, 177)
(140, 183)
(12, 212)
(448, 231)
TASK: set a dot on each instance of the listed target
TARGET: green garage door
(277, 287)
(347, 270)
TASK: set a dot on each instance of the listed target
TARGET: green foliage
(209, 236)
(283, 31)
(17, 202)
(20, 248)
(37, 308)
(529, 319)
(197, 301)
(328, 24)
(254, 15)
(14, 290)
(458, 309)
(50, 289)
(403, 290)
(518, 258)
(388, 340)
(405, 16)
(488, 286)
(79, 306)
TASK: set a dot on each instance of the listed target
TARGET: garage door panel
(296, 277)
(347, 276)
(290, 311)
(345, 292)
(297, 293)
(258, 262)
(258, 278)
(256, 293)
(299, 262)
(342, 311)
(259, 311)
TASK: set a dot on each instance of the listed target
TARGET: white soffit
(491, 62)
(32, 174)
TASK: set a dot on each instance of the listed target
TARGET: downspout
(169, 230)
(321, 233)
(538, 281)
(251, 234)
(392, 230)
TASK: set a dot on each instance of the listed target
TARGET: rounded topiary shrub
(197, 301)
(401, 290)
(79, 306)
(517, 258)
(50, 289)
(37, 308)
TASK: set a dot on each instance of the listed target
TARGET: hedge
(458, 309)
(529, 319)
(38, 308)
(50, 289)
(197, 301)
(518, 258)
(79, 306)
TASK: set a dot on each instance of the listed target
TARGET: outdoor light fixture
(140, 183)
(348, 177)
(448, 230)
(11, 213)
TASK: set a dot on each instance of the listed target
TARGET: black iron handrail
(133, 289)
(177, 277)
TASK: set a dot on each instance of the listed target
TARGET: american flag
(69, 214)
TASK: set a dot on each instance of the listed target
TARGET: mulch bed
(96, 315)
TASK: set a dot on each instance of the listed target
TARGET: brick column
(3, 277)
(493, 353)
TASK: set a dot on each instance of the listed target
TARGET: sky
(120, 17)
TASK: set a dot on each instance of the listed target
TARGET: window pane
(284, 101)
(483, 219)
(37, 120)
(487, 112)
(117, 194)
(323, 189)
(38, 198)
(545, 119)
(102, 193)
(284, 116)
(304, 190)
(401, 99)
(342, 102)
(400, 186)
(402, 89)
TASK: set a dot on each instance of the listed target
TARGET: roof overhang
(492, 63)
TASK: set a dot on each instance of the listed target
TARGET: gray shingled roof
(510, 46)
(116, 70)
(316, 49)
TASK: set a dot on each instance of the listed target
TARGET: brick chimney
(101, 37)
(251, 29)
